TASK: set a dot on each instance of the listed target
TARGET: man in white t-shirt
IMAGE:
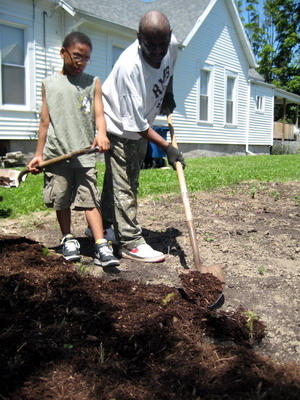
(136, 91)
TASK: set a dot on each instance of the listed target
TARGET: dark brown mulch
(68, 335)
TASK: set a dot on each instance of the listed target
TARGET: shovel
(215, 269)
(13, 178)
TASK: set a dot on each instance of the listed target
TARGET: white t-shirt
(134, 91)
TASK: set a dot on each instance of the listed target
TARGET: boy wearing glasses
(72, 118)
(138, 88)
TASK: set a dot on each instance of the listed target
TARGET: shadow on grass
(5, 213)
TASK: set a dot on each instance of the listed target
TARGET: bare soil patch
(80, 332)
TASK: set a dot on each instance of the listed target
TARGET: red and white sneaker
(144, 253)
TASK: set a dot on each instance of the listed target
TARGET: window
(230, 99)
(115, 46)
(116, 52)
(205, 94)
(259, 103)
(204, 82)
(12, 65)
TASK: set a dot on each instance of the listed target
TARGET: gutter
(262, 83)
(247, 151)
(67, 8)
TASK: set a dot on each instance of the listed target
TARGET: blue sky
(245, 13)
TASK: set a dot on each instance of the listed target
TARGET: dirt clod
(4, 181)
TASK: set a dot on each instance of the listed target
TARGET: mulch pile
(68, 335)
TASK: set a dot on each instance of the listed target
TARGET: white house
(222, 104)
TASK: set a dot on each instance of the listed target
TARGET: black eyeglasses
(78, 57)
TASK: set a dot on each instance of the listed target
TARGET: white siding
(46, 26)
(21, 122)
(216, 43)
(48, 39)
(261, 122)
(18, 125)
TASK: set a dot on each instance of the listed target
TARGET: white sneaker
(71, 248)
(109, 235)
(143, 252)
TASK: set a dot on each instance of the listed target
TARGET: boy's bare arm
(42, 135)
(101, 139)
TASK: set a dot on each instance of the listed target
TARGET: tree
(273, 28)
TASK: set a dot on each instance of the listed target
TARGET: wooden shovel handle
(68, 156)
(186, 202)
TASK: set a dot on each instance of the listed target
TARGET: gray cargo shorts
(66, 187)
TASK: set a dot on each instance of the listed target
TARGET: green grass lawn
(201, 174)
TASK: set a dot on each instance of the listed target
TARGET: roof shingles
(182, 14)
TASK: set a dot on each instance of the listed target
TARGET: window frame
(231, 75)
(114, 42)
(208, 68)
(112, 54)
(260, 98)
(29, 69)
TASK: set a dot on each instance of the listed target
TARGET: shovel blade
(218, 303)
(216, 270)
(9, 178)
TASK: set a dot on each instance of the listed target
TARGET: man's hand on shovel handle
(173, 156)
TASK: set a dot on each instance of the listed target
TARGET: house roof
(253, 74)
(282, 95)
(185, 16)
(182, 14)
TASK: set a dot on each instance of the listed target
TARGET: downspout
(35, 84)
(247, 151)
(63, 25)
(34, 53)
(44, 40)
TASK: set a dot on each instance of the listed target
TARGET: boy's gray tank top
(70, 102)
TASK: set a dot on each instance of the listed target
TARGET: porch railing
(284, 131)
